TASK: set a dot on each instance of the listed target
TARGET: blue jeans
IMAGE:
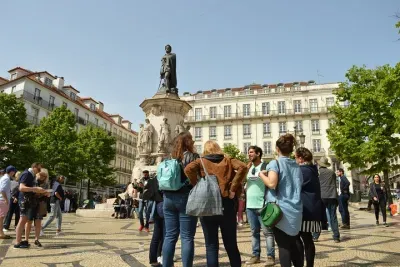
(178, 222)
(328, 217)
(145, 206)
(333, 221)
(344, 208)
(54, 213)
(256, 225)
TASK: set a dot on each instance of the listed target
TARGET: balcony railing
(246, 136)
(318, 151)
(125, 153)
(316, 132)
(267, 134)
(255, 114)
(38, 100)
(212, 137)
(228, 137)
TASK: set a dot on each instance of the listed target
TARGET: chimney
(100, 106)
(59, 83)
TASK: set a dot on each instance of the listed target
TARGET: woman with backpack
(284, 179)
(177, 222)
(230, 174)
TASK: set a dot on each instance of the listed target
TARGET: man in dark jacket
(144, 202)
(327, 179)
(344, 199)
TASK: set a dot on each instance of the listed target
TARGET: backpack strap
(266, 188)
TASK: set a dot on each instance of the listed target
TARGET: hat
(11, 169)
(324, 162)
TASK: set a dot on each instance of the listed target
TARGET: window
(105, 126)
(72, 95)
(51, 102)
(124, 164)
(125, 147)
(96, 121)
(246, 130)
(65, 104)
(281, 107)
(198, 149)
(37, 94)
(120, 133)
(228, 93)
(198, 114)
(297, 106)
(228, 131)
(246, 147)
(130, 165)
(35, 112)
(267, 128)
(282, 127)
(298, 125)
(246, 109)
(316, 145)
(330, 101)
(314, 105)
(93, 107)
(13, 89)
(227, 111)
(213, 132)
(120, 162)
(315, 126)
(86, 118)
(13, 76)
(213, 112)
(115, 131)
(76, 112)
(48, 82)
(197, 132)
(266, 108)
(267, 148)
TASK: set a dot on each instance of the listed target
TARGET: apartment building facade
(258, 114)
(42, 92)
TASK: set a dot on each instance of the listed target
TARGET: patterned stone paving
(111, 242)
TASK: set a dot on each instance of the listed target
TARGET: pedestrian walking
(230, 174)
(255, 195)
(5, 196)
(344, 199)
(284, 179)
(14, 207)
(329, 195)
(377, 193)
(144, 204)
(57, 196)
(314, 212)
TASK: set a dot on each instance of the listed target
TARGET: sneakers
(253, 260)
(336, 240)
(41, 233)
(38, 244)
(385, 224)
(147, 229)
(345, 226)
(270, 261)
(5, 230)
(23, 244)
(59, 233)
(141, 228)
(159, 260)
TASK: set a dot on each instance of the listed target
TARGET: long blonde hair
(212, 147)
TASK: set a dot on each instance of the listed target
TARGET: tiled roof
(88, 98)
(73, 88)
(4, 79)
(20, 68)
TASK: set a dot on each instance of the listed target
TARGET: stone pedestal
(157, 108)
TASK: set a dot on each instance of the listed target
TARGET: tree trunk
(88, 189)
(387, 186)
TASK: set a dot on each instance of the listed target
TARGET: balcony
(212, 137)
(125, 153)
(254, 115)
(267, 134)
(247, 136)
(316, 132)
(38, 100)
(227, 137)
(318, 152)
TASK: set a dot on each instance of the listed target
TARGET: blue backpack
(169, 174)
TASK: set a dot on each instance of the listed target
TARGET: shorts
(29, 211)
(3, 208)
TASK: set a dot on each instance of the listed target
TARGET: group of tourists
(307, 193)
(26, 195)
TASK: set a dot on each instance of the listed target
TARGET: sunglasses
(253, 171)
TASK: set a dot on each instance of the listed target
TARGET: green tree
(363, 133)
(15, 133)
(95, 149)
(234, 152)
(55, 142)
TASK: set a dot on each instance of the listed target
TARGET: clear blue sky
(111, 50)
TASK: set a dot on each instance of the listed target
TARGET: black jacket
(313, 208)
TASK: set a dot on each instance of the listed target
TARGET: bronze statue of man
(168, 70)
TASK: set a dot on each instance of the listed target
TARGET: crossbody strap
(277, 185)
(204, 168)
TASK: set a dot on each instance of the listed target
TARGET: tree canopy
(55, 142)
(234, 152)
(364, 131)
(15, 133)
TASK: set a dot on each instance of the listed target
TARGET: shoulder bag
(271, 213)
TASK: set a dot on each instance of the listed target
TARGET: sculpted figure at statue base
(164, 139)
(146, 138)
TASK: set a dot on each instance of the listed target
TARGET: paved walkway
(110, 242)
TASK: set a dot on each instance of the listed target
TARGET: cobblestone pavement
(111, 242)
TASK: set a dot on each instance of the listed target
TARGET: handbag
(42, 208)
(205, 197)
(271, 213)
